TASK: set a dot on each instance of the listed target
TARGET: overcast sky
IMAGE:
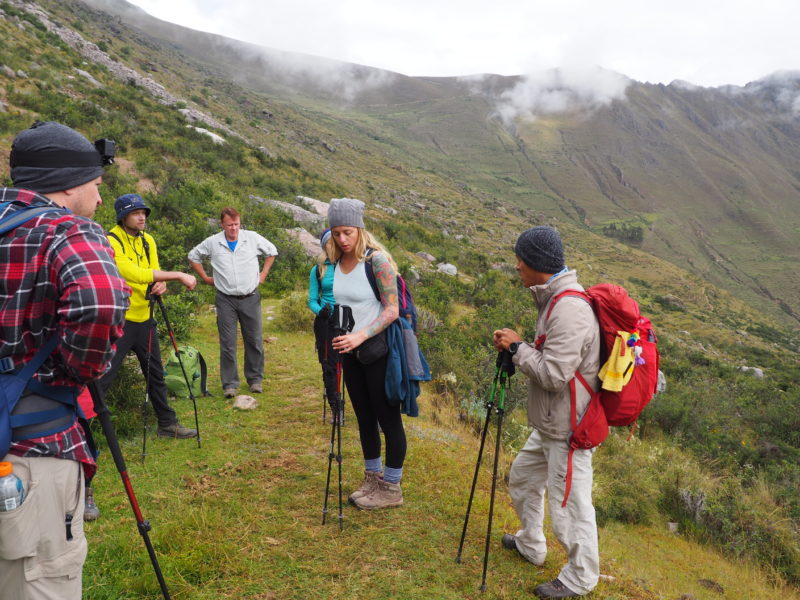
(705, 42)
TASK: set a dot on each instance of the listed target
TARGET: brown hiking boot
(371, 479)
(384, 495)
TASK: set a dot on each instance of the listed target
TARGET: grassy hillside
(241, 517)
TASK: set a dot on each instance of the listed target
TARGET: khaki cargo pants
(37, 562)
(540, 467)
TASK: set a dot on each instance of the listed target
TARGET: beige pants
(37, 562)
(542, 465)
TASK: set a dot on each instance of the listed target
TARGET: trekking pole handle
(505, 363)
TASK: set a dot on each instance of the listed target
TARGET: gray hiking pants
(246, 311)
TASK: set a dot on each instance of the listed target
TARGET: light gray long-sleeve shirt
(235, 272)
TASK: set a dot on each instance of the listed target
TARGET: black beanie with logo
(51, 157)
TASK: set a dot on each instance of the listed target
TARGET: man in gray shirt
(233, 254)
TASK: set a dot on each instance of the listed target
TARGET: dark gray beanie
(540, 248)
(51, 157)
(346, 212)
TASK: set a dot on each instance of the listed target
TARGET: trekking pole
(148, 296)
(180, 362)
(113, 445)
(489, 406)
(343, 316)
(504, 370)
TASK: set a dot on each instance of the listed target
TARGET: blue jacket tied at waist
(405, 367)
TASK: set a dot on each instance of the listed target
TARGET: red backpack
(616, 311)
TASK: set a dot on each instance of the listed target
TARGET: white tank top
(353, 289)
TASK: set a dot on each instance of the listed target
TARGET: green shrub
(294, 314)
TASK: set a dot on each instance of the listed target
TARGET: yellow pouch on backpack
(618, 369)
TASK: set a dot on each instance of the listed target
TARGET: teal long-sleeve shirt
(320, 293)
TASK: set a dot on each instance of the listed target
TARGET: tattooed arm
(386, 278)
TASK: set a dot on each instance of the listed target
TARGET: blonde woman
(364, 351)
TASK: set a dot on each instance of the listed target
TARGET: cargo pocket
(19, 528)
(68, 565)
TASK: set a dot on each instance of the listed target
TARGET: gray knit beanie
(51, 157)
(540, 248)
(346, 212)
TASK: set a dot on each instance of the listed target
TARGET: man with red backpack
(561, 364)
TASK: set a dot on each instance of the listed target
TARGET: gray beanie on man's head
(51, 157)
(540, 248)
(346, 212)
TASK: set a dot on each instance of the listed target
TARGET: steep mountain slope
(708, 179)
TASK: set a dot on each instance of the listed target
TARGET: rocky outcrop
(301, 215)
(309, 242)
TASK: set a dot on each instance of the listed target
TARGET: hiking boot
(509, 542)
(90, 510)
(229, 392)
(256, 388)
(554, 589)
(176, 430)
(383, 495)
(371, 479)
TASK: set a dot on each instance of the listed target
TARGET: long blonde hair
(365, 241)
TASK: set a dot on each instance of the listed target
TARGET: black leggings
(365, 388)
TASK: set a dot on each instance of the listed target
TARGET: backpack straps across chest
(145, 245)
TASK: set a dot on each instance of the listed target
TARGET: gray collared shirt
(235, 272)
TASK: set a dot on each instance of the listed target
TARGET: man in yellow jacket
(137, 260)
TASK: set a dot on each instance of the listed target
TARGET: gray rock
(661, 385)
(413, 276)
(243, 402)
(757, 373)
(217, 139)
(299, 214)
(310, 243)
(88, 76)
(426, 256)
(387, 209)
(2, 107)
(318, 206)
(22, 74)
(8, 72)
(447, 269)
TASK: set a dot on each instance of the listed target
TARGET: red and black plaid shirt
(58, 277)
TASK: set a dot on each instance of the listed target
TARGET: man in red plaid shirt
(57, 278)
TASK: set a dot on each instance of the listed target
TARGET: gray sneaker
(90, 510)
(371, 479)
(256, 388)
(229, 392)
(383, 495)
(176, 430)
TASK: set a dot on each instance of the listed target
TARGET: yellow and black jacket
(136, 258)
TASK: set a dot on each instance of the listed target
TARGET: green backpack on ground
(195, 367)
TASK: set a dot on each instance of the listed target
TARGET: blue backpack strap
(21, 217)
